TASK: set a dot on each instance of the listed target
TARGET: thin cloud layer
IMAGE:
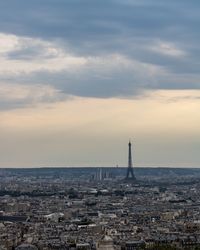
(20, 96)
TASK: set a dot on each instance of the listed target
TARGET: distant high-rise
(130, 173)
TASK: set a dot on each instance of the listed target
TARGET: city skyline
(79, 78)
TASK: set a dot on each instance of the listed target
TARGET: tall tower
(130, 174)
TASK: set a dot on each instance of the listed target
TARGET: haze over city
(78, 79)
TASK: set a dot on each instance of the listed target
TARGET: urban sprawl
(98, 208)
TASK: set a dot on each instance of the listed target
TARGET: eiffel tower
(130, 173)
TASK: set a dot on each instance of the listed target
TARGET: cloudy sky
(78, 78)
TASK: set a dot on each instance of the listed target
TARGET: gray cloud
(160, 34)
(14, 96)
(96, 22)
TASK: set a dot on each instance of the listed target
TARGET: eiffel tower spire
(130, 173)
